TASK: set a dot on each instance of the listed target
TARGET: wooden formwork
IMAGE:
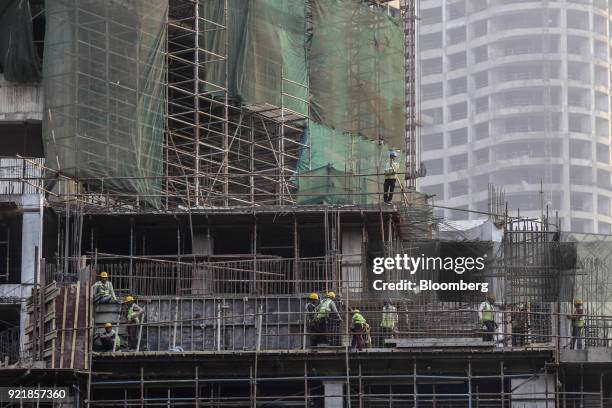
(65, 315)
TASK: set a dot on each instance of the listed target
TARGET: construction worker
(328, 318)
(312, 327)
(486, 314)
(519, 326)
(358, 328)
(577, 319)
(103, 290)
(107, 340)
(389, 319)
(133, 318)
(391, 169)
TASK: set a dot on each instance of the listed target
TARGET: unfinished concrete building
(516, 93)
(221, 160)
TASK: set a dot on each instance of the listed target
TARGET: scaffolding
(221, 152)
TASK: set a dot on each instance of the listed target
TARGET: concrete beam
(590, 355)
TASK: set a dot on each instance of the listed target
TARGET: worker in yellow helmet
(108, 340)
(311, 323)
(102, 290)
(134, 314)
(328, 317)
(577, 319)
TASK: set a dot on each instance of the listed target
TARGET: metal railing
(255, 276)
(21, 176)
(9, 346)
(257, 325)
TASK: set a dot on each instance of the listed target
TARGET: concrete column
(333, 394)
(202, 245)
(31, 237)
(351, 260)
(537, 392)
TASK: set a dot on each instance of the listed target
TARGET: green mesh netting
(103, 92)
(351, 57)
(357, 70)
(19, 61)
(343, 56)
(266, 54)
(341, 168)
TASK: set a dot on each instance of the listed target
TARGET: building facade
(516, 93)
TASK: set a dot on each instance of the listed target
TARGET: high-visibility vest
(132, 314)
(103, 287)
(487, 313)
(389, 317)
(359, 319)
(578, 321)
(390, 171)
(324, 308)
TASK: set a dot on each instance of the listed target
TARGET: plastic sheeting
(344, 57)
(104, 95)
(18, 58)
(266, 53)
(357, 70)
(341, 168)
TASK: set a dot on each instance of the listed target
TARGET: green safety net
(19, 60)
(341, 168)
(342, 56)
(104, 96)
(357, 70)
(266, 53)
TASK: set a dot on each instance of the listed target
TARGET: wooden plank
(61, 356)
(75, 323)
(88, 320)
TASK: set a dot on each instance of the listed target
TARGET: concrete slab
(439, 342)
(590, 355)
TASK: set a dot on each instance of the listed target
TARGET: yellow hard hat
(104, 274)
(331, 294)
(313, 296)
(129, 298)
(356, 311)
(108, 325)
(578, 302)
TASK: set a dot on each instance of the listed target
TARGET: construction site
(223, 161)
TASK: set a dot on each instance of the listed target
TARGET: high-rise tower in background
(516, 93)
